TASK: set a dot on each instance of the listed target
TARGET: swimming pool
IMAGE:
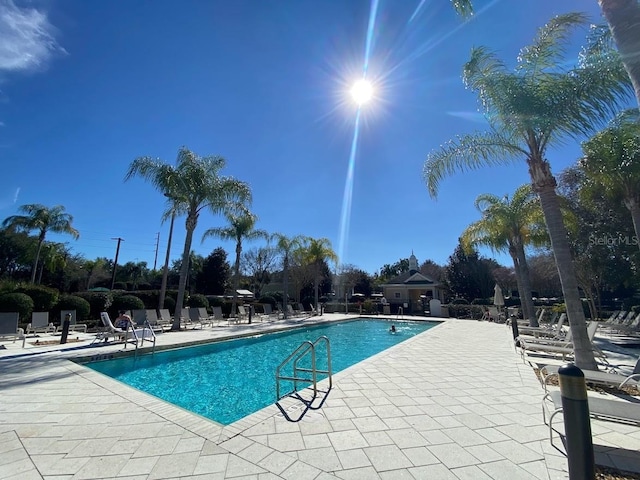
(228, 380)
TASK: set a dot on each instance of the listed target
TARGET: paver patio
(455, 402)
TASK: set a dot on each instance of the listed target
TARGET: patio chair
(563, 347)
(165, 318)
(218, 316)
(73, 326)
(242, 314)
(111, 331)
(550, 331)
(199, 316)
(40, 324)
(269, 313)
(154, 322)
(9, 327)
(594, 376)
(601, 408)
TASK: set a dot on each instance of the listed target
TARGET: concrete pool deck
(455, 402)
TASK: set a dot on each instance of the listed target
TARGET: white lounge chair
(40, 324)
(165, 318)
(594, 376)
(111, 331)
(198, 317)
(564, 347)
(603, 408)
(9, 327)
(551, 331)
(242, 314)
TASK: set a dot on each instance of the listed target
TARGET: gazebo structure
(412, 290)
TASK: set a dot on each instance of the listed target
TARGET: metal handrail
(300, 352)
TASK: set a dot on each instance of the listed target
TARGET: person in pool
(393, 329)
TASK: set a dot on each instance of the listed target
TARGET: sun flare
(362, 91)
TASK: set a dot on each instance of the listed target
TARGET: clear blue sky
(87, 86)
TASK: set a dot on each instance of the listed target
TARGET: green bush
(44, 298)
(215, 300)
(17, 302)
(459, 301)
(149, 297)
(198, 300)
(125, 302)
(98, 302)
(170, 304)
(120, 286)
(465, 311)
(267, 299)
(482, 301)
(73, 302)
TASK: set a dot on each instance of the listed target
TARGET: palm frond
(463, 7)
(468, 153)
(548, 46)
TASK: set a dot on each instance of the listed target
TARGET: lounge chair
(154, 322)
(165, 318)
(594, 376)
(73, 326)
(242, 314)
(9, 327)
(111, 331)
(198, 317)
(551, 331)
(40, 324)
(563, 347)
(602, 408)
(218, 316)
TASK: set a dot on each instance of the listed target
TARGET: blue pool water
(228, 380)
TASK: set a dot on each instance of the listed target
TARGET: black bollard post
(514, 326)
(65, 328)
(577, 426)
(250, 313)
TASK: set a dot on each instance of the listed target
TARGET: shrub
(198, 300)
(120, 286)
(214, 300)
(170, 304)
(267, 299)
(98, 302)
(125, 302)
(74, 302)
(459, 301)
(149, 297)
(465, 311)
(17, 302)
(482, 301)
(44, 298)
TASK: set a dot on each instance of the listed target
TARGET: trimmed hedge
(197, 300)
(268, 299)
(98, 302)
(44, 298)
(73, 302)
(125, 302)
(17, 302)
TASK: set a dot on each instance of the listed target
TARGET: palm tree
(43, 219)
(241, 226)
(623, 18)
(194, 184)
(510, 224)
(316, 252)
(285, 246)
(528, 110)
(612, 163)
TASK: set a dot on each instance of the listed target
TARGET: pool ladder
(305, 348)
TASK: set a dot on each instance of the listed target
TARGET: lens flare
(362, 91)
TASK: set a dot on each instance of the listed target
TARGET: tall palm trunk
(526, 298)
(236, 279)
(623, 17)
(523, 293)
(35, 263)
(634, 207)
(316, 287)
(285, 282)
(544, 184)
(192, 220)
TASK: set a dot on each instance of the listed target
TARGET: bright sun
(362, 91)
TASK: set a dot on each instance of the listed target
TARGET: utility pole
(155, 260)
(115, 262)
